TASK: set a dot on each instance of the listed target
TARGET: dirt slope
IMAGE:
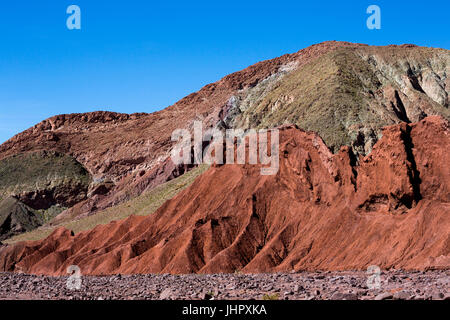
(132, 150)
(321, 211)
(16, 217)
(345, 92)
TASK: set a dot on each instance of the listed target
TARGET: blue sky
(142, 56)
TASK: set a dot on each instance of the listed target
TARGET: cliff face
(344, 92)
(349, 94)
(321, 211)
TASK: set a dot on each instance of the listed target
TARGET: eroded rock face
(320, 211)
(43, 179)
(345, 92)
(16, 217)
(349, 94)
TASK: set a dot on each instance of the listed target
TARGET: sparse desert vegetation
(142, 205)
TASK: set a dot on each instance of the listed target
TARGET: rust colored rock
(321, 211)
(120, 147)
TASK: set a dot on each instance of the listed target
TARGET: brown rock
(166, 294)
(133, 150)
(402, 295)
(384, 296)
(388, 211)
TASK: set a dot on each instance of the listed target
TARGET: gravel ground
(293, 286)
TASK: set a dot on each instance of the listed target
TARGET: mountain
(344, 92)
(321, 211)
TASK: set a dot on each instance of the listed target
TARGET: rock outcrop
(345, 92)
(321, 211)
(40, 184)
(16, 217)
(43, 179)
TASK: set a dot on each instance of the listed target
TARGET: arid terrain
(344, 92)
(363, 179)
(394, 285)
(320, 211)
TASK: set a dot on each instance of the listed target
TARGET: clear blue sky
(142, 56)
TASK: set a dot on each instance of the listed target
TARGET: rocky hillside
(347, 95)
(44, 179)
(16, 217)
(35, 187)
(321, 211)
(344, 92)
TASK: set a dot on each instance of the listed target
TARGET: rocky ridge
(321, 211)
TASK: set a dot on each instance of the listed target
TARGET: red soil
(321, 211)
(132, 150)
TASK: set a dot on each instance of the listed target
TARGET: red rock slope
(132, 150)
(321, 211)
(363, 87)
